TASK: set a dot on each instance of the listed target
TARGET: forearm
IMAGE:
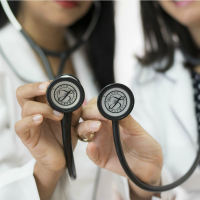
(46, 181)
(138, 194)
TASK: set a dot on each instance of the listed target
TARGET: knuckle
(101, 164)
(80, 128)
(18, 92)
(86, 125)
(16, 128)
(26, 108)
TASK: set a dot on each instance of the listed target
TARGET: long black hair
(99, 47)
(160, 32)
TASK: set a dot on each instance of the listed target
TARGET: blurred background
(128, 37)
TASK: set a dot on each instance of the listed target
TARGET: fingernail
(58, 114)
(37, 118)
(95, 125)
(43, 86)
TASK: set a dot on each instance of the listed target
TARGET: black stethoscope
(115, 102)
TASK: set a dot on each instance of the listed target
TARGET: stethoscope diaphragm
(115, 101)
(65, 93)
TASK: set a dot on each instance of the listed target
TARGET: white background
(129, 39)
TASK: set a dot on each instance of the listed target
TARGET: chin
(189, 19)
(63, 21)
(186, 12)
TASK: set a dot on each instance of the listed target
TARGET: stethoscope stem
(67, 144)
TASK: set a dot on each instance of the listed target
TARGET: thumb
(93, 152)
(131, 127)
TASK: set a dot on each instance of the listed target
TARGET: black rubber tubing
(131, 175)
(67, 144)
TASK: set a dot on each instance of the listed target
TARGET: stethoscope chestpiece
(115, 101)
(65, 93)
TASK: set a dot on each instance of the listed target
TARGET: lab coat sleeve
(142, 116)
(122, 190)
(19, 184)
(146, 118)
(63, 189)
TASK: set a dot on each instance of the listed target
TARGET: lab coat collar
(20, 55)
(144, 74)
(173, 73)
(182, 101)
(148, 73)
(182, 98)
(24, 61)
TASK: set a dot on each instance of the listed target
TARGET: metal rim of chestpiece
(59, 85)
(115, 101)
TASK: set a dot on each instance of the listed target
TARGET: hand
(142, 152)
(40, 131)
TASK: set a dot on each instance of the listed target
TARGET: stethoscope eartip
(115, 101)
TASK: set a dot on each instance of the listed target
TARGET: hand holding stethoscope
(40, 130)
(65, 126)
(142, 152)
(134, 153)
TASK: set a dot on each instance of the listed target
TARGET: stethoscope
(72, 80)
(43, 53)
(115, 102)
(74, 87)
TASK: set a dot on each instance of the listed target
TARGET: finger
(84, 129)
(76, 116)
(31, 108)
(94, 154)
(91, 111)
(30, 91)
(22, 127)
(131, 127)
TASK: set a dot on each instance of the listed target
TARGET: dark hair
(159, 31)
(99, 47)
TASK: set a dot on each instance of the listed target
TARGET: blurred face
(186, 12)
(55, 12)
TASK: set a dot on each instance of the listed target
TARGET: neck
(195, 32)
(47, 36)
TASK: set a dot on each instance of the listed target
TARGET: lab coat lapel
(182, 101)
(20, 55)
(83, 70)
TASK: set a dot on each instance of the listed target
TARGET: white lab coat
(165, 107)
(16, 163)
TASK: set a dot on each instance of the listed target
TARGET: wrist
(46, 180)
(140, 194)
(51, 174)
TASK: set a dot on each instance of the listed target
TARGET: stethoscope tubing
(131, 175)
(67, 144)
(66, 133)
(66, 121)
(44, 53)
